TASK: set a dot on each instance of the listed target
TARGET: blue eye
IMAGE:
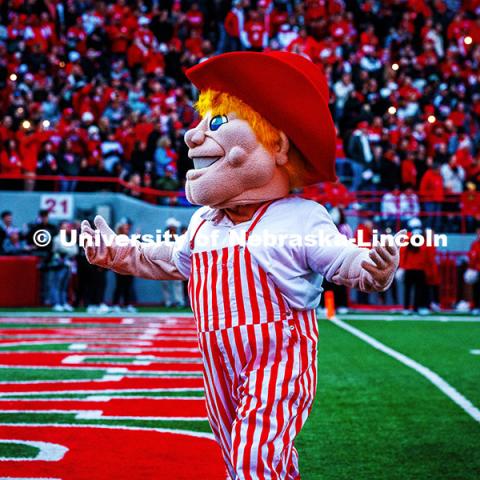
(217, 121)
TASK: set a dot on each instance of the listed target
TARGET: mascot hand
(104, 251)
(381, 267)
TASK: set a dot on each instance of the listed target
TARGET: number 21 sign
(59, 205)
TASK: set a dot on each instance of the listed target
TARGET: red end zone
(126, 363)
(111, 453)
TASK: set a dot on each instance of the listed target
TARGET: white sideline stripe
(100, 398)
(154, 316)
(106, 378)
(102, 392)
(29, 478)
(434, 378)
(188, 433)
(475, 352)
(408, 318)
(98, 415)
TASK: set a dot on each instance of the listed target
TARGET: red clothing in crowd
(415, 258)
(194, 20)
(232, 24)
(10, 164)
(470, 202)
(431, 186)
(433, 270)
(409, 172)
(363, 235)
(474, 255)
(255, 30)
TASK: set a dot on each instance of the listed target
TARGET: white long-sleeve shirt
(297, 267)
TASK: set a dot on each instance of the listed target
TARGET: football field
(86, 397)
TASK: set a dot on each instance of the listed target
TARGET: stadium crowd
(97, 88)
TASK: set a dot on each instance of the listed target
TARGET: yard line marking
(431, 376)
(408, 318)
(475, 352)
(104, 392)
(188, 433)
(98, 415)
(29, 478)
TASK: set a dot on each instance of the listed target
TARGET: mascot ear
(283, 146)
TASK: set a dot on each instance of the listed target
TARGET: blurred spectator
(42, 227)
(61, 263)
(474, 267)
(14, 245)
(453, 176)
(413, 269)
(390, 209)
(172, 290)
(470, 206)
(360, 152)
(432, 194)
(409, 205)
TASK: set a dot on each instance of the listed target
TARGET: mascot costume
(265, 130)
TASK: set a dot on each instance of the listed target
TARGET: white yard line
(188, 433)
(152, 315)
(432, 377)
(385, 317)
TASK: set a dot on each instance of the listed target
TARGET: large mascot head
(265, 129)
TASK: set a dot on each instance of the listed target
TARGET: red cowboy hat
(286, 89)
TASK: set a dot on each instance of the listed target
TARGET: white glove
(120, 254)
(470, 276)
(381, 266)
(369, 271)
(101, 254)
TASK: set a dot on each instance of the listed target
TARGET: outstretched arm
(146, 260)
(368, 270)
(343, 263)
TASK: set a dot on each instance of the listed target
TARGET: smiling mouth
(204, 162)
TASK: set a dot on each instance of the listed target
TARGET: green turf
(94, 393)
(110, 360)
(40, 347)
(69, 419)
(374, 418)
(32, 374)
(17, 450)
(442, 347)
(377, 419)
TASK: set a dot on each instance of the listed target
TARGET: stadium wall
(146, 218)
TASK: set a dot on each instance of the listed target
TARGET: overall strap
(259, 214)
(192, 240)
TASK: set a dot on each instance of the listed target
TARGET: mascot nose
(194, 137)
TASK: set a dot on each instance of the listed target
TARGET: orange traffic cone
(330, 304)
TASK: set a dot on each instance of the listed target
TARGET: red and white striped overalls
(259, 360)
